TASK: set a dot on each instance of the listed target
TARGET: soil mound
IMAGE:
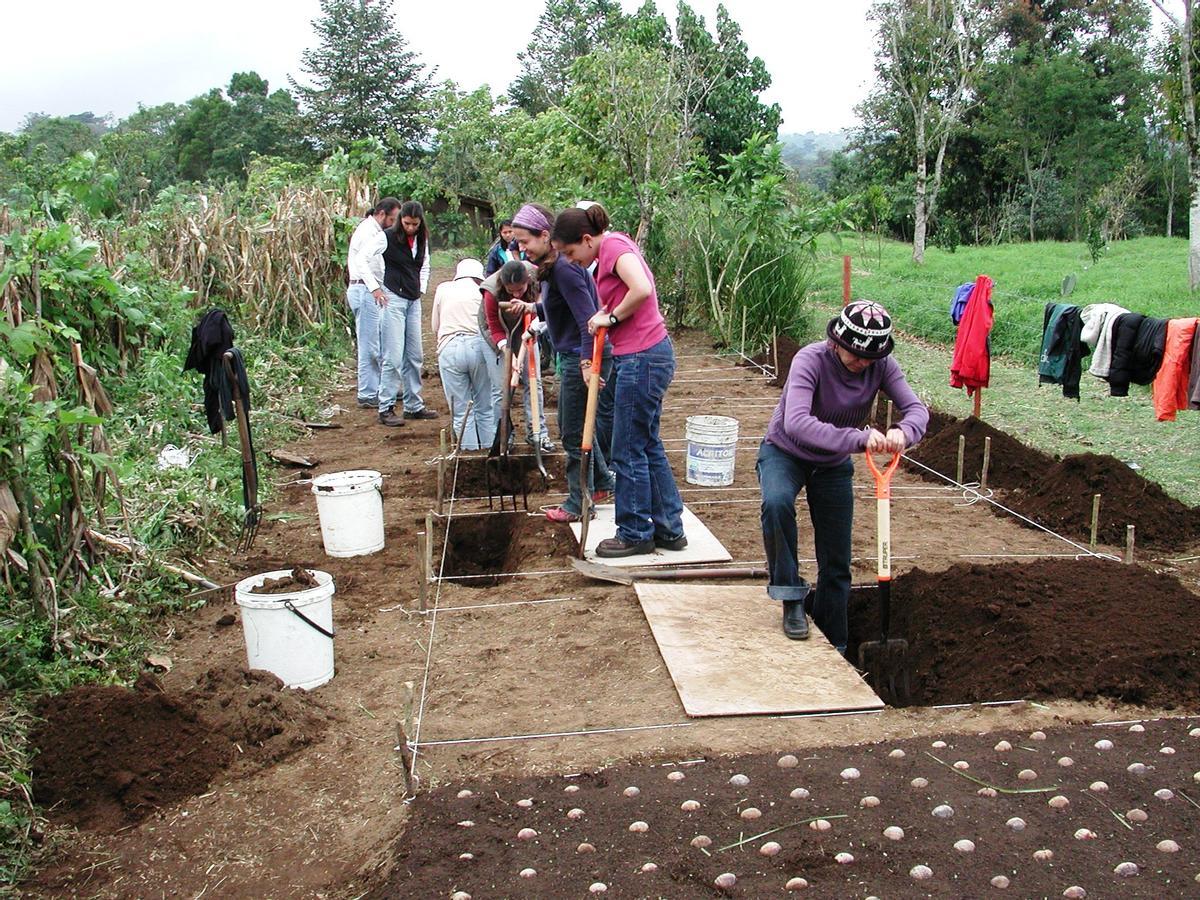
(1058, 493)
(106, 757)
(1079, 629)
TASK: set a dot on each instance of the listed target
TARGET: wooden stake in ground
(443, 448)
(422, 579)
(403, 730)
(429, 547)
(1130, 538)
(962, 449)
(890, 411)
(845, 280)
(1095, 518)
(987, 458)
(979, 403)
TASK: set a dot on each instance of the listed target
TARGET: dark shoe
(390, 419)
(612, 548)
(795, 622)
(367, 404)
(421, 414)
(679, 543)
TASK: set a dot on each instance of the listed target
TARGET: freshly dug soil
(1064, 628)
(299, 580)
(785, 349)
(480, 545)
(1058, 493)
(428, 859)
(106, 757)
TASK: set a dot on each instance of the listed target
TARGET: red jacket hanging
(1170, 391)
(971, 366)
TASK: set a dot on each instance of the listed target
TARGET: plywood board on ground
(703, 546)
(728, 655)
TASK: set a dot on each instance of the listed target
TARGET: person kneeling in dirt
(814, 430)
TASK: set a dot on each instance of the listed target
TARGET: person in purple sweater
(814, 431)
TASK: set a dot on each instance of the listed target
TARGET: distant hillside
(810, 146)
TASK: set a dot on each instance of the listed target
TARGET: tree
(566, 30)
(1183, 25)
(365, 82)
(927, 60)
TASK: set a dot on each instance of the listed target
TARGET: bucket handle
(287, 604)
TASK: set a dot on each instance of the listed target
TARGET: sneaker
(547, 444)
(613, 548)
(390, 419)
(601, 496)
(424, 413)
(679, 543)
(367, 404)
(561, 516)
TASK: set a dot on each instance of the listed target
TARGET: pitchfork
(253, 517)
(887, 658)
(498, 456)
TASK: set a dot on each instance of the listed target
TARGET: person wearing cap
(463, 355)
(814, 433)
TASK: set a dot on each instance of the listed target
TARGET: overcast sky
(69, 56)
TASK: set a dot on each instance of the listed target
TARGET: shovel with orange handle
(589, 432)
(533, 383)
(885, 660)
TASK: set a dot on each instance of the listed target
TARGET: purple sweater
(820, 415)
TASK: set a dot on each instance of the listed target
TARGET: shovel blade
(887, 668)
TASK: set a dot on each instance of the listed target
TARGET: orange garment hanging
(1170, 391)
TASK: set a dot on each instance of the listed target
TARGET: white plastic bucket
(711, 448)
(350, 507)
(280, 633)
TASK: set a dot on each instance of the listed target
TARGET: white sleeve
(373, 247)
(425, 271)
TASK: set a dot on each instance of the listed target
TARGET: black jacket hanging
(1138, 343)
(211, 337)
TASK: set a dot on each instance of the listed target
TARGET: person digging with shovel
(813, 433)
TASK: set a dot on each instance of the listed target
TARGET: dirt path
(319, 823)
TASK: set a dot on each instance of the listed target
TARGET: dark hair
(413, 210)
(513, 272)
(572, 224)
(504, 223)
(386, 205)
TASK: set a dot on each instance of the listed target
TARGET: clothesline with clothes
(1125, 348)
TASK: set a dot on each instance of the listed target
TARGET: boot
(795, 622)
(390, 419)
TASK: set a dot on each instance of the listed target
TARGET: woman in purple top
(648, 506)
(816, 427)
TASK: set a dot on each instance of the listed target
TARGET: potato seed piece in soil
(639, 827)
(1195, 732)
(570, 789)
(460, 895)
(750, 813)
(1103, 744)
(1001, 881)
(466, 823)
(649, 867)
(1136, 815)
(943, 811)
(1137, 729)
(820, 825)
(1043, 855)
(939, 745)
(921, 872)
(631, 791)
(1126, 869)
(690, 805)
(1016, 823)
(1098, 787)
(987, 792)
(897, 754)
(1003, 747)
(1167, 751)
(585, 847)
(1167, 847)
(464, 794)
(1066, 761)
(850, 774)
(525, 804)
(964, 846)
(1164, 794)
(1037, 736)
(799, 884)
(844, 859)
(788, 761)
(598, 887)
(725, 880)
(770, 848)
(526, 834)
(466, 856)
(1085, 834)
(739, 780)
(1137, 768)
(920, 782)
(676, 776)
(894, 833)
(962, 765)
(701, 841)
(1027, 775)
(869, 802)
(1075, 892)
(575, 813)
(1059, 802)
(527, 873)
(799, 794)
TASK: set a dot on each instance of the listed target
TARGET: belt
(357, 281)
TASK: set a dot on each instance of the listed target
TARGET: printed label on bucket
(709, 465)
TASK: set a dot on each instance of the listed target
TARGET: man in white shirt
(365, 293)
(464, 359)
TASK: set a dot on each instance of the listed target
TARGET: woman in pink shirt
(649, 509)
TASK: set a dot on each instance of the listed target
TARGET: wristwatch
(612, 320)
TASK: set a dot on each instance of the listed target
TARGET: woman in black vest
(405, 279)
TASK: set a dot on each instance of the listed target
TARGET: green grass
(1147, 275)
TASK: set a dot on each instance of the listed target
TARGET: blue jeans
(830, 492)
(400, 338)
(366, 335)
(648, 502)
(496, 366)
(466, 378)
(572, 406)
